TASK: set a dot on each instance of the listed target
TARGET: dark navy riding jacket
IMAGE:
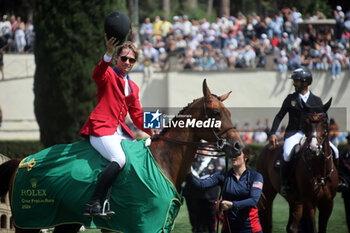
(292, 105)
(244, 193)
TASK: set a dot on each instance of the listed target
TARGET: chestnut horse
(314, 177)
(174, 148)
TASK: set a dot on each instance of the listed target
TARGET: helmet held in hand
(117, 25)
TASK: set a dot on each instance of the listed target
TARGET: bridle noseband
(319, 150)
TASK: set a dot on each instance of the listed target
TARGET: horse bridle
(218, 146)
(220, 142)
(319, 150)
(320, 181)
(316, 117)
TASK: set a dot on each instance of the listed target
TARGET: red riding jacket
(113, 105)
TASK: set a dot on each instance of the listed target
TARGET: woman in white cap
(339, 19)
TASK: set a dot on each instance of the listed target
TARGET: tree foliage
(69, 43)
(149, 8)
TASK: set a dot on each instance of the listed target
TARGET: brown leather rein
(207, 146)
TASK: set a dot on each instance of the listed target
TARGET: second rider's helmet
(302, 74)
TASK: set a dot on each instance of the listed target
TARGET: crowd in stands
(236, 42)
(244, 41)
(16, 35)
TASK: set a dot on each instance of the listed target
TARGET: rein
(208, 146)
(213, 146)
(218, 209)
(319, 180)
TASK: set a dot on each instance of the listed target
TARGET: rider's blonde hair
(127, 45)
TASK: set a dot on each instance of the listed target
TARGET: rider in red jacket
(117, 95)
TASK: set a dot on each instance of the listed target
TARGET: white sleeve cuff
(107, 58)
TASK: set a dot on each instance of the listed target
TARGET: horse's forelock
(217, 97)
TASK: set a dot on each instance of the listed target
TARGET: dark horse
(314, 178)
(174, 149)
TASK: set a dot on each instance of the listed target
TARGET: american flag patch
(258, 184)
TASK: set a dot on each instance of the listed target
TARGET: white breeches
(110, 148)
(335, 150)
(290, 142)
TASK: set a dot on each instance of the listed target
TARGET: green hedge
(254, 150)
(19, 148)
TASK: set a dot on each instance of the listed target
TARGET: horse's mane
(165, 130)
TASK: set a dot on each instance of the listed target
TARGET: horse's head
(222, 130)
(316, 130)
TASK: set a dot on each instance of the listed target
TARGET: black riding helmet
(117, 25)
(302, 74)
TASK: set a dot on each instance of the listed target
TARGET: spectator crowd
(245, 41)
(16, 35)
(236, 42)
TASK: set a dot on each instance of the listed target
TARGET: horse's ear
(223, 97)
(206, 91)
(327, 105)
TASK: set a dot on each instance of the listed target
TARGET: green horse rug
(52, 187)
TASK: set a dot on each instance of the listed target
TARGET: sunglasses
(131, 60)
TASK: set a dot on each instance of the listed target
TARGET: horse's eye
(217, 113)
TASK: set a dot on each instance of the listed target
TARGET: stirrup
(107, 213)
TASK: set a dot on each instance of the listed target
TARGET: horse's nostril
(237, 146)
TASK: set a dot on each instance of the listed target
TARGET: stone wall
(6, 224)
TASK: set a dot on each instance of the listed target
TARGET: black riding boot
(105, 181)
(336, 162)
(285, 172)
(342, 183)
